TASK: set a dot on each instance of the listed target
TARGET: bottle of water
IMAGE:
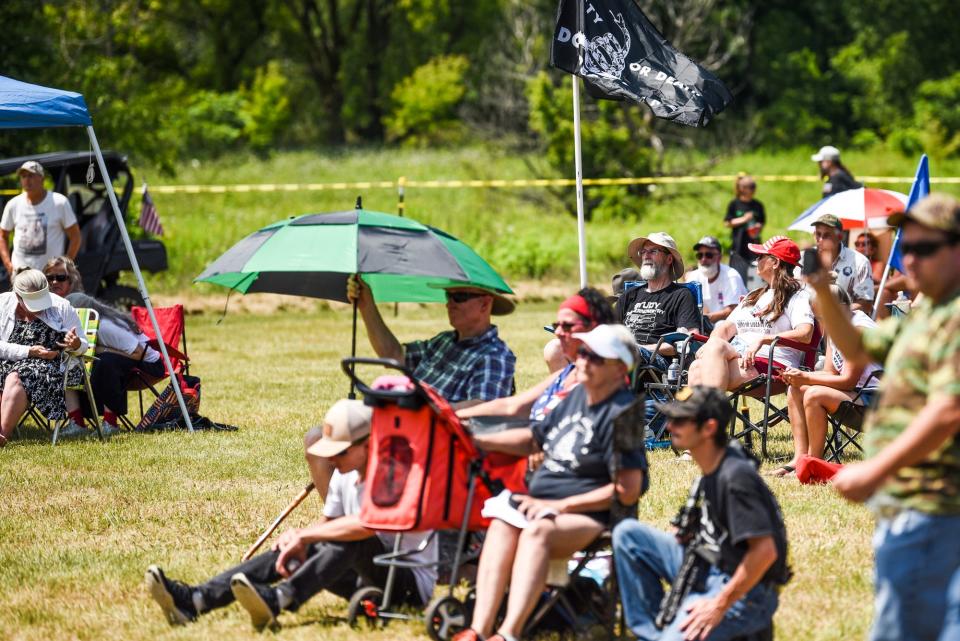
(673, 372)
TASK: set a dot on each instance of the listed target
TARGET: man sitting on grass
(335, 553)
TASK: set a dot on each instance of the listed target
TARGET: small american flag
(149, 220)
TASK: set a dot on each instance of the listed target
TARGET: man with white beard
(722, 286)
(660, 306)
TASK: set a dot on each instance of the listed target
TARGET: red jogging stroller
(422, 474)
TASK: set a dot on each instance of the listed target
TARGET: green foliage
(614, 140)
(426, 102)
(265, 107)
(935, 128)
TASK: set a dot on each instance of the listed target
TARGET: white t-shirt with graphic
(37, 229)
(751, 326)
(343, 499)
(860, 321)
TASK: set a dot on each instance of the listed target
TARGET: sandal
(782, 471)
(3, 440)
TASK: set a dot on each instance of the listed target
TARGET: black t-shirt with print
(577, 441)
(840, 181)
(650, 316)
(741, 236)
(738, 505)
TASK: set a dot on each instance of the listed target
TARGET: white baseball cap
(827, 152)
(347, 422)
(611, 341)
(33, 167)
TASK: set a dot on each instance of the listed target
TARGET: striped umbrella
(856, 209)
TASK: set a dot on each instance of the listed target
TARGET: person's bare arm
(518, 442)
(73, 238)
(293, 543)
(938, 421)
(836, 323)
(865, 306)
(720, 314)
(5, 251)
(516, 405)
(384, 343)
(739, 220)
(706, 614)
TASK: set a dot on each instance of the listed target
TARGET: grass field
(524, 233)
(81, 521)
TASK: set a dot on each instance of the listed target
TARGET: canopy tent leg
(581, 225)
(136, 270)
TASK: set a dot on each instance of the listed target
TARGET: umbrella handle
(353, 354)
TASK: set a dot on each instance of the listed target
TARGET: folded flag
(621, 56)
(149, 219)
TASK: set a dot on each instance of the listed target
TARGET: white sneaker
(108, 430)
(72, 429)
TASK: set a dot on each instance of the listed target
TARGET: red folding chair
(173, 330)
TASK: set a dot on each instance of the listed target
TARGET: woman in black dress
(37, 331)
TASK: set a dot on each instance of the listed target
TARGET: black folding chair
(846, 423)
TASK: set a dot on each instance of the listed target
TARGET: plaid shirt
(478, 368)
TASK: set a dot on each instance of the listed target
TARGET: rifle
(696, 559)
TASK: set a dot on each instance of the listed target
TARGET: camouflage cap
(699, 403)
(936, 211)
(830, 220)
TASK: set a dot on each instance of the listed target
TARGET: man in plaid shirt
(467, 365)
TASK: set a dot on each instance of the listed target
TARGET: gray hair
(27, 279)
(78, 300)
(76, 281)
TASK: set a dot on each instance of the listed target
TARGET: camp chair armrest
(792, 344)
(171, 351)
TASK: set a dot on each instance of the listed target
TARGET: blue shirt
(479, 368)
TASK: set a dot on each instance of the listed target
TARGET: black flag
(626, 58)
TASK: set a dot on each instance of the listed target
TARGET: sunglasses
(567, 327)
(702, 255)
(462, 297)
(590, 357)
(926, 248)
(57, 278)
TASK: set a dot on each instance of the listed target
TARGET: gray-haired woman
(121, 347)
(36, 328)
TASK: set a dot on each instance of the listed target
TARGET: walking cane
(297, 500)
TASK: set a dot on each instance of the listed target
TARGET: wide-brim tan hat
(660, 239)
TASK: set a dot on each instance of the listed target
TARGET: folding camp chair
(90, 325)
(847, 422)
(173, 328)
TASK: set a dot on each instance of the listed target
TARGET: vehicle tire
(365, 606)
(445, 617)
(122, 296)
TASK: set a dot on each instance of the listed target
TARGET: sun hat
(347, 422)
(661, 239)
(700, 403)
(827, 152)
(936, 211)
(779, 247)
(31, 166)
(31, 286)
(611, 341)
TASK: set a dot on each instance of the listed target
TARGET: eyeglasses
(462, 297)
(926, 248)
(565, 326)
(652, 250)
(57, 278)
(590, 357)
(702, 255)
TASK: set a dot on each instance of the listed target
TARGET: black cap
(707, 241)
(699, 403)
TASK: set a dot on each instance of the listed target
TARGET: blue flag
(920, 189)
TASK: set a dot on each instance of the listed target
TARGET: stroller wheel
(445, 617)
(365, 606)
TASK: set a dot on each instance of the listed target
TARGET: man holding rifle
(740, 546)
(911, 473)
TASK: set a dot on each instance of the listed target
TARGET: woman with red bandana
(580, 313)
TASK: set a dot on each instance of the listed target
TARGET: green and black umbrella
(400, 259)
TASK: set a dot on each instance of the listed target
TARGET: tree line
(180, 79)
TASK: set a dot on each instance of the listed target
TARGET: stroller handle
(347, 365)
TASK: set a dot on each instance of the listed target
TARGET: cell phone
(811, 262)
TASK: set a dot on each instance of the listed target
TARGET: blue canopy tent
(27, 106)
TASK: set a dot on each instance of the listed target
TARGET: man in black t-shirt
(741, 530)
(660, 306)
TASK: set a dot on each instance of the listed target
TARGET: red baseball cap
(779, 247)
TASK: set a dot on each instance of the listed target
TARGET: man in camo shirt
(911, 471)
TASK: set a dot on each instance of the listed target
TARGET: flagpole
(886, 273)
(578, 163)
